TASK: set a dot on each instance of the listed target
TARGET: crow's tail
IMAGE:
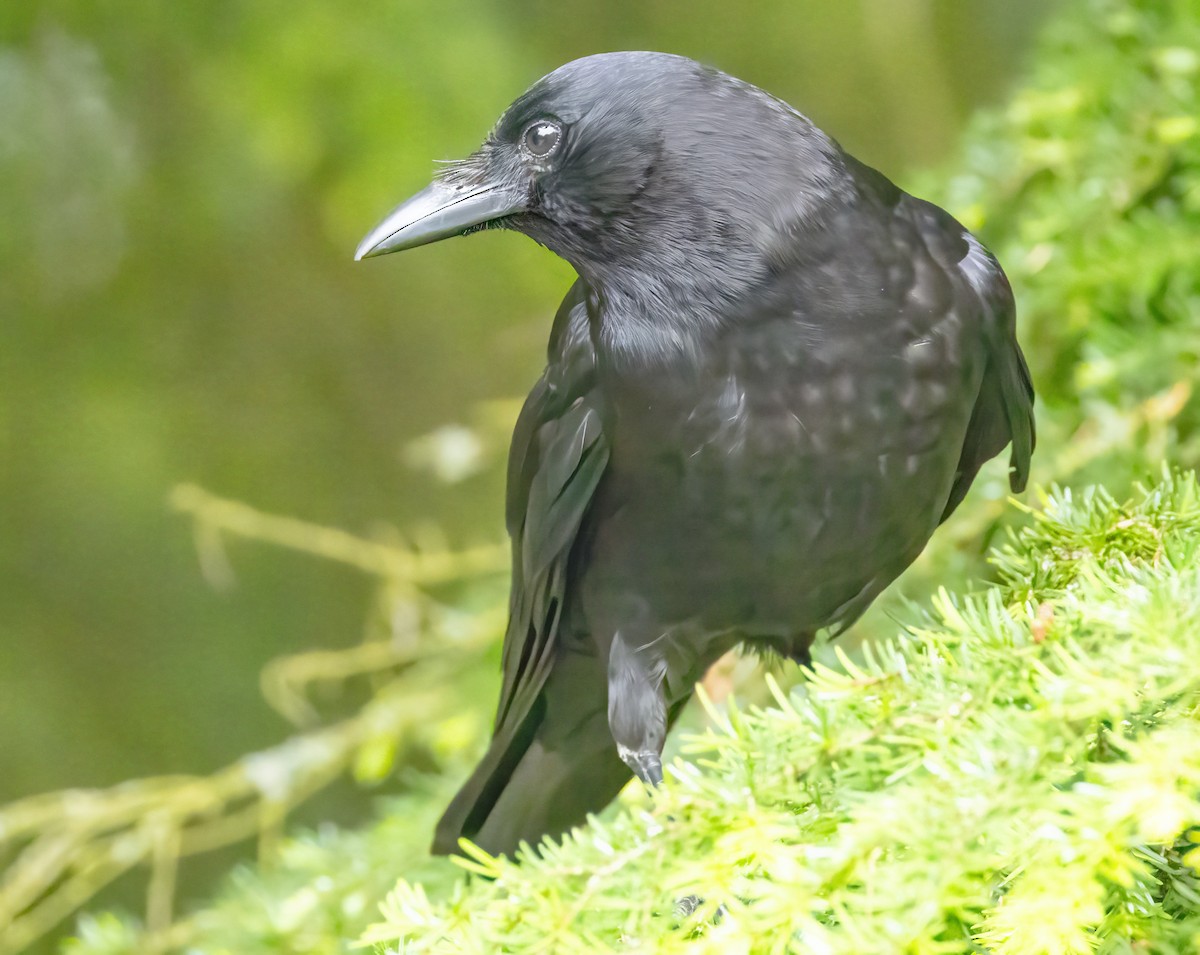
(544, 772)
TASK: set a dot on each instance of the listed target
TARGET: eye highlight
(541, 138)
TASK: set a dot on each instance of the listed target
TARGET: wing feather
(558, 457)
(1003, 412)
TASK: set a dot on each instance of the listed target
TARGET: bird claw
(646, 766)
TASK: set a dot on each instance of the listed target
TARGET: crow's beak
(438, 212)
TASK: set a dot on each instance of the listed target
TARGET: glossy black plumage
(775, 376)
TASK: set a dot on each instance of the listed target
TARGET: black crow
(775, 375)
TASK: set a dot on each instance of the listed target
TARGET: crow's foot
(646, 766)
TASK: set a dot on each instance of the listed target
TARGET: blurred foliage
(1087, 187)
(63, 847)
(1085, 184)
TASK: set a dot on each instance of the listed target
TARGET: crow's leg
(637, 718)
(637, 709)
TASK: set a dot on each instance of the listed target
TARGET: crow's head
(632, 166)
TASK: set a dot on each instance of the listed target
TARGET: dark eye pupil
(541, 138)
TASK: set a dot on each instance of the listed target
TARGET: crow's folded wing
(559, 453)
(1003, 411)
(558, 456)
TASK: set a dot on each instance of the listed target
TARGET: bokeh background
(181, 188)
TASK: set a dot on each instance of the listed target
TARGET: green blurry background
(181, 188)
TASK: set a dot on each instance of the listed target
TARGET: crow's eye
(541, 139)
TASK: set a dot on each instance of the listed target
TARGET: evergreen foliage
(1016, 773)
(1010, 776)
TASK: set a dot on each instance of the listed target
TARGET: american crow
(776, 374)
